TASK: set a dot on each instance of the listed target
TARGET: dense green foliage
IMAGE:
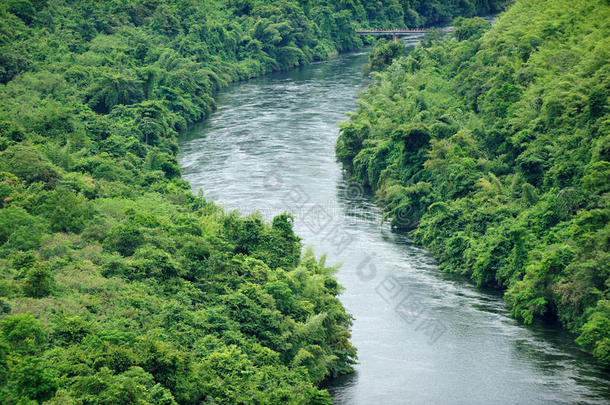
(117, 285)
(383, 55)
(493, 149)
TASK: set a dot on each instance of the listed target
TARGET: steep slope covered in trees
(117, 285)
(494, 150)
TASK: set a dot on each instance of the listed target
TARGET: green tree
(34, 379)
(470, 28)
(23, 333)
(39, 281)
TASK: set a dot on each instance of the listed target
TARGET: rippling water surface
(422, 337)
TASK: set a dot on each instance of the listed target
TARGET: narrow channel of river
(422, 337)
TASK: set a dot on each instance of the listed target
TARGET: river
(423, 337)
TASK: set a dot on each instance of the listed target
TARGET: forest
(492, 149)
(117, 284)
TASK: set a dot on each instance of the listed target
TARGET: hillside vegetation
(493, 150)
(117, 285)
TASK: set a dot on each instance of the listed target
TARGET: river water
(422, 336)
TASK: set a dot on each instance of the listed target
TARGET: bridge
(396, 32)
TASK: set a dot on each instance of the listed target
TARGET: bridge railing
(393, 31)
(398, 31)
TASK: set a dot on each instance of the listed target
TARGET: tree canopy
(117, 284)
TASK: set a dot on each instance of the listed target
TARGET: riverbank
(495, 159)
(270, 141)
